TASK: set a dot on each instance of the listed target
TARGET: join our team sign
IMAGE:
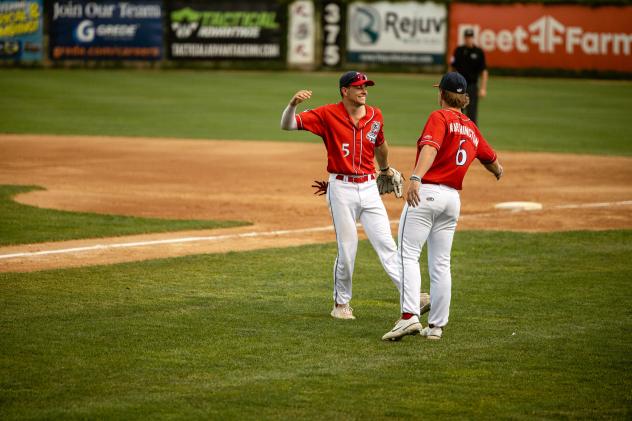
(106, 30)
(403, 32)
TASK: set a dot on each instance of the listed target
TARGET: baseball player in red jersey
(353, 135)
(449, 143)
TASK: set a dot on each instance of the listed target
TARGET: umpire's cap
(453, 82)
(355, 79)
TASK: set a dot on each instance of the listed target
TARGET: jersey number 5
(345, 149)
(461, 154)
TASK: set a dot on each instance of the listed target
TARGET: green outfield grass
(22, 224)
(540, 329)
(541, 324)
(520, 114)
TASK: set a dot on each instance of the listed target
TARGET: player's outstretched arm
(288, 119)
(495, 168)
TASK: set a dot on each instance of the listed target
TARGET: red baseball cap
(355, 79)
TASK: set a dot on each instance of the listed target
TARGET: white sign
(403, 32)
(300, 37)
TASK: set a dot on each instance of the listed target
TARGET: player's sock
(407, 316)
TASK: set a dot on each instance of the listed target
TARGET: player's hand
(482, 93)
(300, 96)
(321, 187)
(500, 172)
(412, 194)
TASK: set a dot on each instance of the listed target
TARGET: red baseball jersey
(350, 148)
(458, 141)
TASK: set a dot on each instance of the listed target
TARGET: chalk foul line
(168, 241)
(595, 205)
(255, 234)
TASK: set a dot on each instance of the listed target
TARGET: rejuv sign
(402, 32)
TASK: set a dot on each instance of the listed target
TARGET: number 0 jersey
(350, 148)
(458, 141)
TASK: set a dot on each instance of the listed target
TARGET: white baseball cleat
(433, 333)
(403, 328)
(342, 312)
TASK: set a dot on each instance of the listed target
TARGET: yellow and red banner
(21, 30)
(531, 36)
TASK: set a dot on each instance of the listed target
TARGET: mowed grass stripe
(23, 224)
(519, 114)
(540, 328)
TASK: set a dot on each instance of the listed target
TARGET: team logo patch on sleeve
(375, 129)
(428, 137)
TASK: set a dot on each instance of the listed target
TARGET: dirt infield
(268, 184)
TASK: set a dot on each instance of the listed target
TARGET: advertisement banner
(238, 29)
(300, 34)
(567, 37)
(332, 26)
(402, 32)
(106, 30)
(21, 24)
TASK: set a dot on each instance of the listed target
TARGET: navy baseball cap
(468, 33)
(453, 82)
(355, 79)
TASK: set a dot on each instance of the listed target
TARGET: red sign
(547, 37)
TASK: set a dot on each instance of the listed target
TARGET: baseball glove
(393, 183)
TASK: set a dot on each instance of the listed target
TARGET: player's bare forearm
(495, 168)
(381, 155)
(426, 158)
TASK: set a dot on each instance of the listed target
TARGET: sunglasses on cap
(355, 79)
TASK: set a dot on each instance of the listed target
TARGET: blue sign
(106, 30)
(21, 31)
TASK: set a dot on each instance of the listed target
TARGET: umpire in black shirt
(469, 60)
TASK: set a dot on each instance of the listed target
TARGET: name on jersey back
(459, 128)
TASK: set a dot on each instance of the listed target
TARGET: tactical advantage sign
(216, 30)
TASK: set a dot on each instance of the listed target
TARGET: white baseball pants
(349, 203)
(433, 221)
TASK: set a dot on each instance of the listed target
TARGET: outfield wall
(314, 34)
